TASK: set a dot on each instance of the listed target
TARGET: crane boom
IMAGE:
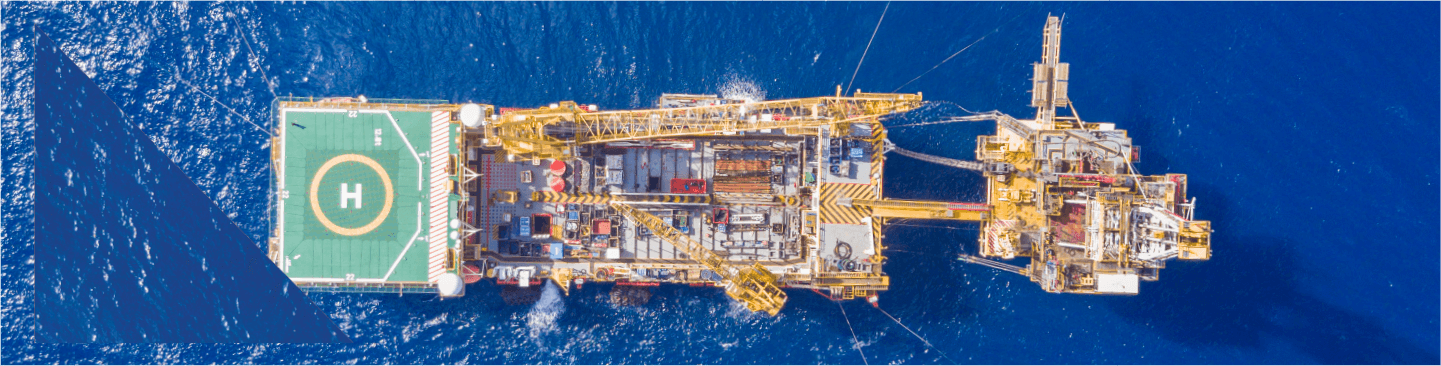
(755, 286)
(912, 209)
(554, 131)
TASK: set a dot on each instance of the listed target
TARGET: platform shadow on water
(1250, 291)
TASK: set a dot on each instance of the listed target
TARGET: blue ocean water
(128, 249)
(1309, 131)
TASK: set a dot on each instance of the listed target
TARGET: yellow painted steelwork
(1064, 193)
(832, 198)
(924, 209)
(755, 286)
(562, 277)
(1195, 240)
(1060, 191)
(555, 131)
(595, 199)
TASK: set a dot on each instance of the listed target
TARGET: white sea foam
(737, 310)
(541, 319)
(737, 87)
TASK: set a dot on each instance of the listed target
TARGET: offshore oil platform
(750, 196)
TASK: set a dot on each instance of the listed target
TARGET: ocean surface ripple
(1308, 130)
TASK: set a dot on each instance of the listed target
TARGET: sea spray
(541, 319)
(738, 88)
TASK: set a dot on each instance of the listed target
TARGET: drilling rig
(752, 197)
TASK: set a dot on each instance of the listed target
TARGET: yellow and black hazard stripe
(878, 133)
(562, 197)
(601, 199)
(832, 212)
(691, 199)
(878, 151)
(876, 226)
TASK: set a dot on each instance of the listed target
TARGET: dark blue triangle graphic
(128, 248)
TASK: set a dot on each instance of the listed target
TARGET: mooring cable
(933, 68)
(943, 62)
(217, 101)
(853, 333)
(251, 52)
(868, 46)
(918, 336)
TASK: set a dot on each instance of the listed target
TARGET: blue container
(557, 251)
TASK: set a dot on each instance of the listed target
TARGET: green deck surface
(315, 251)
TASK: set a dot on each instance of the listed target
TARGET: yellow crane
(910, 209)
(755, 286)
(554, 131)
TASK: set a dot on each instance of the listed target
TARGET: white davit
(523, 276)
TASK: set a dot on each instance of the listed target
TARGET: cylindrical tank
(470, 115)
(449, 284)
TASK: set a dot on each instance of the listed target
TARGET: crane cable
(853, 333)
(868, 46)
(918, 336)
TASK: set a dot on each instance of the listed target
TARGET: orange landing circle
(315, 190)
